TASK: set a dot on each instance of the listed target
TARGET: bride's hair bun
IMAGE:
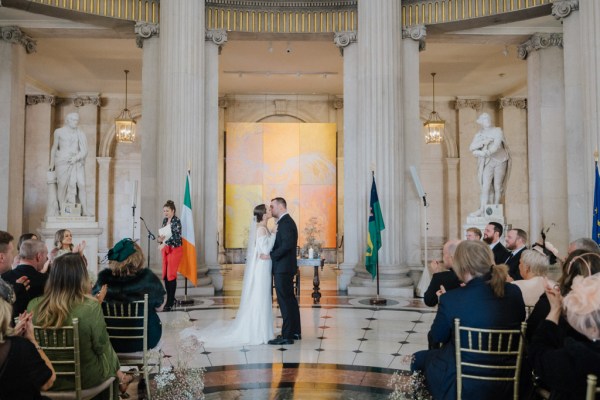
(259, 212)
(170, 204)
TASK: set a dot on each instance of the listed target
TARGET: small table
(316, 263)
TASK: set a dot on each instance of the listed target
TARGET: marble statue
(67, 160)
(489, 147)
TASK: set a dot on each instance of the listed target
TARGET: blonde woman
(67, 297)
(24, 367)
(63, 243)
(486, 301)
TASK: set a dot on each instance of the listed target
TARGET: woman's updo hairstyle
(259, 212)
(170, 204)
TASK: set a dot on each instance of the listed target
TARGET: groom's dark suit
(283, 257)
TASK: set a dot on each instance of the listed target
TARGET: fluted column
(13, 46)
(181, 138)
(546, 136)
(346, 41)
(150, 204)
(215, 39)
(380, 144)
(513, 120)
(413, 41)
(104, 241)
(39, 124)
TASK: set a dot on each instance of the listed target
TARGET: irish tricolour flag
(187, 267)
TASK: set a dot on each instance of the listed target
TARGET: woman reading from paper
(170, 243)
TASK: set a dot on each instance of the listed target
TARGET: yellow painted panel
(317, 154)
(240, 201)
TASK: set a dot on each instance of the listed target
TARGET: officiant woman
(169, 240)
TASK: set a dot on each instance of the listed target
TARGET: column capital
(145, 30)
(344, 39)
(337, 103)
(14, 34)
(217, 36)
(82, 100)
(33, 99)
(223, 102)
(475, 104)
(561, 9)
(517, 102)
(539, 41)
(416, 32)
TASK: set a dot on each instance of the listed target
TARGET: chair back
(503, 350)
(61, 345)
(592, 390)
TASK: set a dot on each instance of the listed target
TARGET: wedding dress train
(253, 323)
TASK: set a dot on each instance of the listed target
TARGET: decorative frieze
(539, 41)
(475, 104)
(517, 102)
(79, 101)
(281, 107)
(561, 9)
(344, 39)
(13, 34)
(33, 99)
(416, 32)
(145, 30)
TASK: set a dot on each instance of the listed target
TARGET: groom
(283, 257)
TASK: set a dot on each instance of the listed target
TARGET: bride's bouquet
(178, 382)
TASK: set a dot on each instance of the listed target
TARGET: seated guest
(22, 238)
(563, 366)
(473, 234)
(578, 263)
(583, 244)
(486, 301)
(66, 297)
(24, 367)
(33, 258)
(533, 267)
(491, 235)
(516, 243)
(443, 278)
(63, 243)
(127, 280)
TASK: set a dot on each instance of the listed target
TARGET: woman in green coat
(66, 296)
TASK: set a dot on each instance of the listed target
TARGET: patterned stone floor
(349, 349)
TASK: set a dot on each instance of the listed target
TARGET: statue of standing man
(67, 159)
(488, 146)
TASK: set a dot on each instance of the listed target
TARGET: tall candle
(133, 200)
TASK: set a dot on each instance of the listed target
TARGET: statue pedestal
(492, 213)
(82, 228)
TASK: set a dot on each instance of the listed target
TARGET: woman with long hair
(66, 296)
(170, 243)
(63, 243)
(128, 280)
(24, 367)
(486, 301)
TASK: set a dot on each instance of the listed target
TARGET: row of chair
(61, 345)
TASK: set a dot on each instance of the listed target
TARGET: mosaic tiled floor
(349, 349)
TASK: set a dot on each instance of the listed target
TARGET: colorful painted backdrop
(296, 161)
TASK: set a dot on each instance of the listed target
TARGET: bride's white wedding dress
(253, 323)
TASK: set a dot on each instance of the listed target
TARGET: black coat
(127, 289)
(37, 281)
(446, 278)
(500, 253)
(283, 254)
(513, 265)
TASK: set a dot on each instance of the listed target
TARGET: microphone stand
(150, 237)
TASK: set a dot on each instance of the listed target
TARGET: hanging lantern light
(434, 126)
(124, 123)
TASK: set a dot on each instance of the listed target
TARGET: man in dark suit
(491, 235)
(444, 279)
(516, 240)
(283, 256)
(33, 256)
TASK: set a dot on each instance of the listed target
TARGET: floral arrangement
(409, 387)
(178, 382)
(312, 232)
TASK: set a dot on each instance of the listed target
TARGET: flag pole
(186, 301)
(377, 300)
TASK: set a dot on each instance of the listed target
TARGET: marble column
(223, 105)
(14, 44)
(104, 242)
(468, 110)
(148, 128)
(353, 248)
(181, 143)
(215, 39)
(513, 120)
(579, 163)
(546, 137)
(381, 144)
(39, 124)
(413, 41)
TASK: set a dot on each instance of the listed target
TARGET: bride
(253, 323)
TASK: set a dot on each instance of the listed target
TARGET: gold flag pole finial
(596, 155)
